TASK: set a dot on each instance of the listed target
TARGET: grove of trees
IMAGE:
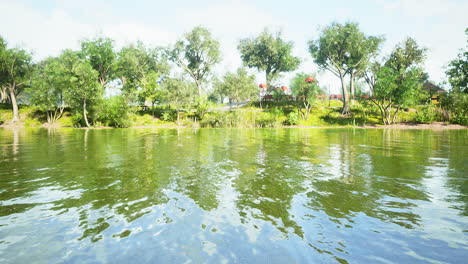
(99, 84)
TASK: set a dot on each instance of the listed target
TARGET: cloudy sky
(47, 26)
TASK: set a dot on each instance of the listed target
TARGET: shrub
(457, 106)
(292, 119)
(427, 115)
(169, 116)
(265, 120)
(113, 112)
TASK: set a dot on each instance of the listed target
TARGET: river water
(233, 196)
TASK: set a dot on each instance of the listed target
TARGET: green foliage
(239, 86)
(398, 82)
(15, 72)
(457, 71)
(180, 93)
(344, 49)
(428, 114)
(268, 52)
(292, 119)
(47, 88)
(140, 71)
(202, 108)
(456, 103)
(100, 54)
(113, 112)
(82, 87)
(169, 116)
(306, 91)
(197, 53)
(245, 119)
(143, 120)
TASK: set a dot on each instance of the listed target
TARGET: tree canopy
(270, 53)
(397, 83)
(343, 49)
(238, 86)
(140, 71)
(15, 74)
(196, 53)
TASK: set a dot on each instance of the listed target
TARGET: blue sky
(48, 26)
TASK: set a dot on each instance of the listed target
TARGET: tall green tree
(3, 80)
(140, 71)
(305, 87)
(270, 53)
(238, 86)
(362, 49)
(457, 71)
(15, 74)
(47, 88)
(196, 53)
(83, 85)
(343, 49)
(397, 83)
(100, 54)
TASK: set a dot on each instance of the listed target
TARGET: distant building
(434, 92)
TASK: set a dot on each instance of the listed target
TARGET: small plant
(292, 119)
(427, 115)
(113, 112)
(167, 116)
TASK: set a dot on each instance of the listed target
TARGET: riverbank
(433, 126)
(247, 116)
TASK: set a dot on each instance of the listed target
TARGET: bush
(266, 120)
(219, 119)
(292, 119)
(456, 104)
(427, 115)
(169, 116)
(113, 112)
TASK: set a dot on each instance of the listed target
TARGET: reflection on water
(233, 195)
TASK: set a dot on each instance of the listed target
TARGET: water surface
(233, 196)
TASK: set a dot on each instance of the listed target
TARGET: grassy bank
(271, 114)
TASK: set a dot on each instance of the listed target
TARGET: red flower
(310, 79)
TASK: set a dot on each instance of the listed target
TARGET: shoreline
(432, 126)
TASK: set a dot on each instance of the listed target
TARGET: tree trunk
(199, 88)
(84, 113)
(3, 94)
(395, 115)
(14, 104)
(351, 87)
(345, 110)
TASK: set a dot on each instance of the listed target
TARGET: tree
(140, 71)
(361, 49)
(197, 54)
(100, 54)
(83, 85)
(457, 71)
(238, 86)
(305, 87)
(398, 82)
(47, 88)
(270, 53)
(15, 73)
(179, 93)
(3, 80)
(343, 49)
